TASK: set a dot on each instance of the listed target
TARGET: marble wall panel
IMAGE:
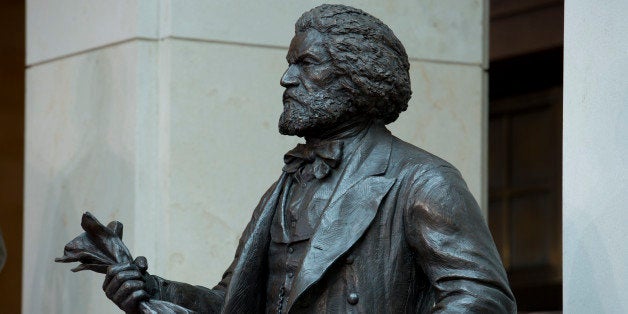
(63, 27)
(446, 30)
(225, 150)
(82, 117)
(450, 30)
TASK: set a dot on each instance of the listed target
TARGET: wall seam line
(121, 42)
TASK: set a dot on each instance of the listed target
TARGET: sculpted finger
(126, 290)
(141, 263)
(113, 270)
(132, 302)
(118, 282)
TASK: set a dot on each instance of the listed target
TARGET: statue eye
(308, 61)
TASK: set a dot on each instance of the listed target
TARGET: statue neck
(341, 131)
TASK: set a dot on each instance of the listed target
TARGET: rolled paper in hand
(100, 247)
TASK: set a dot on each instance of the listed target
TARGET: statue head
(344, 65)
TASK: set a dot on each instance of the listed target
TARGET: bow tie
(309, 161)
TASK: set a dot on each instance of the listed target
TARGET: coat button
(290, 250)
(353, 298)
(349, 260)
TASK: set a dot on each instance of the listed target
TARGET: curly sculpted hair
(366, 51)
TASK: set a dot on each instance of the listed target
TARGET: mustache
(290, 95)
(299, 95)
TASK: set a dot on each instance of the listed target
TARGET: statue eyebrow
(290, 57)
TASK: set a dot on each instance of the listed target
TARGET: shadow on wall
(77, 164)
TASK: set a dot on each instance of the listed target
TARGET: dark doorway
(525, 145)
(12, 60)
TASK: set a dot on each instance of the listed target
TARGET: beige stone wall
(162, 114)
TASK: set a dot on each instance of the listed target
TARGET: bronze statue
(359, 221)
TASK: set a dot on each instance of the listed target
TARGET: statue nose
(290, 77)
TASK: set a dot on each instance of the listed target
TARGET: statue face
(314, 99)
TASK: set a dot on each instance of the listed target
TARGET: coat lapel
(351, 210)
(249, 274)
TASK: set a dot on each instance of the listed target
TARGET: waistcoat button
(353, 298)
(349, 260)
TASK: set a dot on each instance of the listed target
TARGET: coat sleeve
(198, 298)
(454, 247)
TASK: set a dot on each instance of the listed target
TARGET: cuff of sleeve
(152, 286)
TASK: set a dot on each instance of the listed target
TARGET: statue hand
(125, 284)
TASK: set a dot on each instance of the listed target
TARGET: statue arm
(454, 247)
(196, 298)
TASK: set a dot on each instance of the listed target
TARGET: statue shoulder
(428, 179)
(408, 159)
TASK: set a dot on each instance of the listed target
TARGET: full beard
(312, 114)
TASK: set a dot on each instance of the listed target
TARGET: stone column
(163, 114)
(595, 166)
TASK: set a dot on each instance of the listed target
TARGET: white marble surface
(82, 146)
(595, 167)
(62, 27)
(444, 30)
(447, 30)
(225, 150)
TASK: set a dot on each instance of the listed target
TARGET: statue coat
(400, 234)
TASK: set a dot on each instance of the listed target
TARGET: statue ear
(116, 227)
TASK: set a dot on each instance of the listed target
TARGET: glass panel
(497, 147)
(531, 230)
(532, 148)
